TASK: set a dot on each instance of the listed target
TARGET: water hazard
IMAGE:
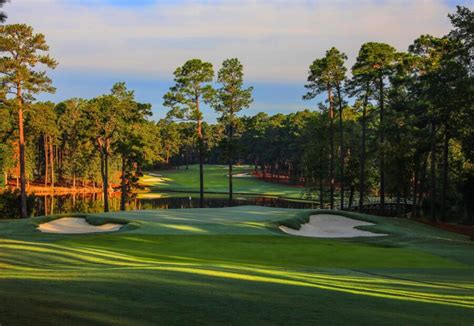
(93, 203)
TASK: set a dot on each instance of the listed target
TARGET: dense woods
(395, 127)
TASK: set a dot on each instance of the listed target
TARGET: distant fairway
(233, 266)
(216, 181)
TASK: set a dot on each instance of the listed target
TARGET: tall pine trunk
(398, 205)
(123, 186)
(341, 137)
(433, 170)
(230, 183)
(51, 158)
(187, 157)
(415, 184)
(46, 160)
(445, 170)
(104, 170)
(362, 151)
(382, 139)
(422, 183)
(351, 195)
(201, 156)
(231, 133)
(23, 208)
(106, 164)
(331, 140)
(321, 189)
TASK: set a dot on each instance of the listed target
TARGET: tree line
(88, 142)
(397, 124)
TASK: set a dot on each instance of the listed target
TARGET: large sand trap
(331, 226)
(76, 225)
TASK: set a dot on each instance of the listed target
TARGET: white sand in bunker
(76, 225)
(331, 226)
(241, 175)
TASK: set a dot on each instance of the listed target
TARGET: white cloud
(276, 40)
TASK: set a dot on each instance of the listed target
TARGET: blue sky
(128, 3)
(141, 42)
(269, 97)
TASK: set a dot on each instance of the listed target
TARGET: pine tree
(230, 99)
(327, 75)
(184, 98)
(21, 50)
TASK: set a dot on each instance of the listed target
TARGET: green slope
(233, 266)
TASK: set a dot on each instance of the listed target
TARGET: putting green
(233, 266)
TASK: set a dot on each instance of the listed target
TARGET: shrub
(10, 204)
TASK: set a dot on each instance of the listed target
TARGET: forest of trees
(397, 125)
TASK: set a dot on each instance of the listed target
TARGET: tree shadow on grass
(216, 295)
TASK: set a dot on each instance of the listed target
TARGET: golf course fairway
(233, 266)
(216, 181)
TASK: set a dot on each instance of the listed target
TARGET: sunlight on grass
(155, 179)
(339, 284)
(182, 227)
(256, 225)
(150, 195)
(216, 180)
(391, 290)
(234, 255)
(56, 262)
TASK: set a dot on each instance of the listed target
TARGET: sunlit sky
(141, 42)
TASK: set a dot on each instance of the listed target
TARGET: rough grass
(216, 181)
(232, 266)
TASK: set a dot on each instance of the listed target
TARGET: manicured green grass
(233, 266)
(216, 180)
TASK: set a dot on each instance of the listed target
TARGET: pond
(93, 203)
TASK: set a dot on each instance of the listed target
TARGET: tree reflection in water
(93, 203)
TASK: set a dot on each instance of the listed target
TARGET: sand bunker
(331, 226)
(76, 225)
(241, 175)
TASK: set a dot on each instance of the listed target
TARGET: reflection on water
(93, 203)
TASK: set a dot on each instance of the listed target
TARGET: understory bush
(10, 204)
